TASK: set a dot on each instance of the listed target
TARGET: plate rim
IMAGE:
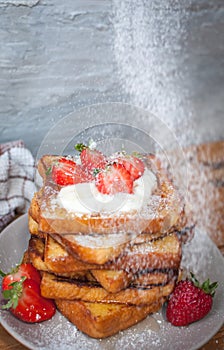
(31, 346)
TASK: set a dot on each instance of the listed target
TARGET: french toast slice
(112, 280)
(94, 254)
(162, 211)
(185, 221)
(159, 253)
(101, 320)
(163, 253)
(56, 287)
(91, 249)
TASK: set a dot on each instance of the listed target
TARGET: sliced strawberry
(26, 303)
(67, 172)
(115, 178)
(134, 165)
(91, 159)
(23, 270)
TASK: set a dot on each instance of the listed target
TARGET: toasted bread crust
(99, 255)
(54, 287)
(164, 253)
(115, 281)
(111, 280)
(104, 320)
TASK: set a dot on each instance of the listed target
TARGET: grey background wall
(166, 56)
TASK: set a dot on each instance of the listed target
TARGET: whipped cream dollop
(84, 198)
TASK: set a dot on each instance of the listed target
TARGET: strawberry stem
(80, 147)
(206, 286)
(2, 274)
(96, 171)
(136, 154)
(194, 280)
(49, 170)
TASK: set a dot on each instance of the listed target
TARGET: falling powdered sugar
(148, 47)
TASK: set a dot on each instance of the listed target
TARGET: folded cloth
(17, 169)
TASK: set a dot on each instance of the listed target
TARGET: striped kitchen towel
(17, 168)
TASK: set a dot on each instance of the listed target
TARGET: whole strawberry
(190, 301)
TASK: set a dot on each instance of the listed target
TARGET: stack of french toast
(107, 235)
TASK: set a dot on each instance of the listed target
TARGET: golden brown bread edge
(62, 264)
(58, 220)
(115, 281)
(164, 246)
(99, 320)
(159, 254)
(56, 287)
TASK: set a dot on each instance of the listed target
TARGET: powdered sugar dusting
(193, 259)
(147, 45)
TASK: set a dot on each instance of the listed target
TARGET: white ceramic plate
(201, 256)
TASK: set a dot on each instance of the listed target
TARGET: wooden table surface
(206, 174)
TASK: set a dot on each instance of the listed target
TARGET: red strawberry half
(134, 165)
(115, 178)
(190, 301)
(24, 298)
(91, 159)
(67, 172)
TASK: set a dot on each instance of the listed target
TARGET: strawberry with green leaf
(21, 289)
(190, 301)
(23, 270)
